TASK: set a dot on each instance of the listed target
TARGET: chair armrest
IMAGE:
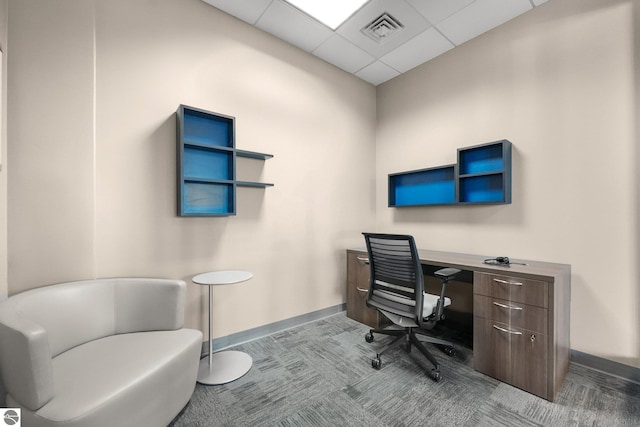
(149, 304)
(444, 274)
(25, 359)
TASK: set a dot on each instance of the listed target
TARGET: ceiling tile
(419, 49)
(437, 10)
(377, 73)
(291, 25)
(247, 10)
(343, 54)
(429, 28)
(480, 16)
(413, 22)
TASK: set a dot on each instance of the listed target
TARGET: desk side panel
(560, 297)
(358, 277)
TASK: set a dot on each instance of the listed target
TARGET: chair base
(410, 336)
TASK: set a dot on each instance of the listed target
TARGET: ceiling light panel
(331, 13)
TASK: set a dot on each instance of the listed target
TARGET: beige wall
(559, 83)
(50, 142)
(108, 179)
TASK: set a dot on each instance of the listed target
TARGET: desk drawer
(513, 355)
(511, 313)
(510, 288)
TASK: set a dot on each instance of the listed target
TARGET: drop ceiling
(384, 38)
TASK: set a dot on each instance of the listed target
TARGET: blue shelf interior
(482, 189)
(427, 187)
(208, 167)
(207, 129)
(207, 199)
(481, 160)
(207, 164)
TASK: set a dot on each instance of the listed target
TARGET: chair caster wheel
(368, 337)
(450, 351)
(376, 363)
(435, 375)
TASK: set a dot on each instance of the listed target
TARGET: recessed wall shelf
(481, 176)
(206, 163)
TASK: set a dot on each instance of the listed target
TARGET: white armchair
(99, 353)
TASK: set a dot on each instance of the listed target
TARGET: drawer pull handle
(510, 307)
(507, 282)
(507, 331)
(361, 290)
(363, 260)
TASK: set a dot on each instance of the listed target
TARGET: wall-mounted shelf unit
(433, 186)
(484, 173)
(481, 176)
(206, 163)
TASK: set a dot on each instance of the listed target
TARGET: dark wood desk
(520, 315)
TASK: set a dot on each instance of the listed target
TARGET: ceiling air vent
(382, 28)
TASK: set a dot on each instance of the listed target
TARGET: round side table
(229, 365)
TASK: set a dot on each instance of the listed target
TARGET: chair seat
(102, 382)
(430, 301)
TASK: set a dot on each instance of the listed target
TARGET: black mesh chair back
(396, 283)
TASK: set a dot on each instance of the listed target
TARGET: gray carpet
(320, 374)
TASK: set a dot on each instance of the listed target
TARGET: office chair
(396, 289)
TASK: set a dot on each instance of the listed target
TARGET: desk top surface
(534, 269)
(223, 277)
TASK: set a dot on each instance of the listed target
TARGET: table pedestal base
(225, 367)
